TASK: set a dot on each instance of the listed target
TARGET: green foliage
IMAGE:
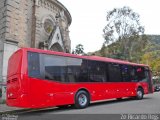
(123, 32)
(152, 54)
(144, 49)
(103, 51)
(153, 60)
(124, 39)
(78, 50)
(135, 48)
(122, 23)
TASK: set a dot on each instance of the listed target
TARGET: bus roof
(97, 58)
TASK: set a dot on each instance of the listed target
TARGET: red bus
(41, 78)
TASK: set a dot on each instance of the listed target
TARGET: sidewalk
(4, 108)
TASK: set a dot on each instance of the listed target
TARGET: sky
(89, 19)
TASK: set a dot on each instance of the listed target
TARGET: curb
(13, 111)
(25, 110)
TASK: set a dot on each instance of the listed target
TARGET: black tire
(82, 99)
(140, 94)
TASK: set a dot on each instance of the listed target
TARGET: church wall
(2, 31)
(17, 26)
(49, 11)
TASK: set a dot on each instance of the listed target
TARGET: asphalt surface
(149, 108)
(150, 104)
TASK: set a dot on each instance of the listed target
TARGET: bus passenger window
(114, 72)
(33, 65)
(125, 73)
(97, 71)
(133, 76)
(140, 73)
(55, 68)
(77, 70)
(83, 72)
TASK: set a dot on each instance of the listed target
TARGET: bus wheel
(140, 94)
(82, 99)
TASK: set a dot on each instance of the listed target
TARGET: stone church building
(40, 24)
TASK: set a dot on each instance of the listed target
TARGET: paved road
(149, 105)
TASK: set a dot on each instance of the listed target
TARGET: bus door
(149, 80)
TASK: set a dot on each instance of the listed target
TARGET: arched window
(56, 47)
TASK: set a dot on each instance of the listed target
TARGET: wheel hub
(82, 100)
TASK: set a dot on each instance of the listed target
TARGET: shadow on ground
(71, 107)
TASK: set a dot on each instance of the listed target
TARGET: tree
(103, 51)
(153, 60)
(123, 23)
(122, 26)
(78, 50)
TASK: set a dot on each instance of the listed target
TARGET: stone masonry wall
(15, 24)
(19, 21)
(22, 22)
(47, 9)
(2, 32)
